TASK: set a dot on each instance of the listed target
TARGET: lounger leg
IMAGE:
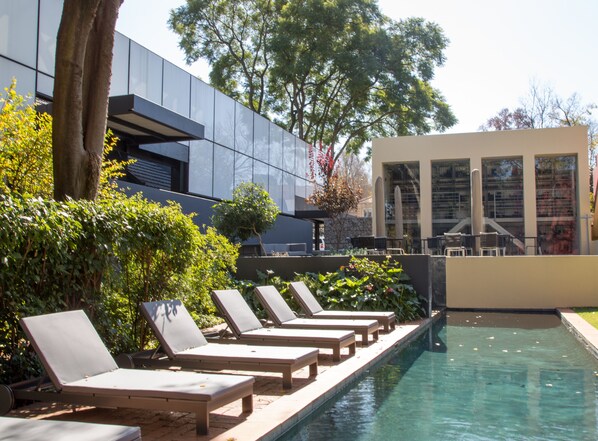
(365, 339)
(376, 335)
(336, 353)
(313, 370)
(202, 423)
(248, 404)
(287, 379)
(353, 349)
(393, 325)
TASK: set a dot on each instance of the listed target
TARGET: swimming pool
(471, 376)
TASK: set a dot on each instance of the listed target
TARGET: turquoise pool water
(472, 376)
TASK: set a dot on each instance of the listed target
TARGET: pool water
(471, 376)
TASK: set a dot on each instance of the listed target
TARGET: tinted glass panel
(275, 186)
(119, 84)
(202, 106)
(556, 204)
(201, 167)
(25, 76)
(260, 174)
(243, 168)
(406, 177)
(451, 195)
(243, 129)
(45, 84)
(18, 30)
(261, 139)
(49, 20)
(177, 89)
(288, 193)
(301, 159)
(275, 145)
(224, 167)
(502, 193)
(288, 152)
(224, 120)
(145, 77)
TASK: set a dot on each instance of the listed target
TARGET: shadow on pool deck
(275, 409)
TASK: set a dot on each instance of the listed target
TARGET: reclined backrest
(68, 345)
(304, 296)
(173, 326)
(236, 311)
(277, 308)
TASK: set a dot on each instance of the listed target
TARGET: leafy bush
(250, 213)
(363, 285)
(105, 257)
(366, 285)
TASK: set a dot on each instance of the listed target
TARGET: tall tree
(337, 72)
(81, 87)
(544, 108)
(232, 36)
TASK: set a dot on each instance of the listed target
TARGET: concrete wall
(417, 266)
(500, 144)
(521, 282)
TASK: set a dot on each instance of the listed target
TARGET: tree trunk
(81, 87)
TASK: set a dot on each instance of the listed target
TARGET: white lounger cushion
(159, 384)
(173, 326)
(68, 345)
(21, 429)
(241, 353)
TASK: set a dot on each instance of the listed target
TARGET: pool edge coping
(280, 416)
(581, 329)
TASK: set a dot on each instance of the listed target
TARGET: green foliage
(105, 257)
(331, 71)
(251, 212)
(51, 258)
(26, 151)
(366, 285)
(25, 146)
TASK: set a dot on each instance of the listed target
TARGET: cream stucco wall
(500, 144)
(521, 282)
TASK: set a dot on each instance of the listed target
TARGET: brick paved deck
(275, 409)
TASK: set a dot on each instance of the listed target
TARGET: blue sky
(496, 48)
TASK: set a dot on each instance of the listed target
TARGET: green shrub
(366, 285)
(104, 257)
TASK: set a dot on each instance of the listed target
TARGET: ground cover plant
(362, 285)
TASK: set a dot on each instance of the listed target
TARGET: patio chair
(283, 316)
(489, 244)
(83, 372)
(247, 328)
(453, 244)
(311, 307)
(23, 429)
(182, 344)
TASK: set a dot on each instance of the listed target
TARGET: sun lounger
(182, 344)
(311, 307)
(22, 429)
(283, 316)
(83, 372)
(248, 329)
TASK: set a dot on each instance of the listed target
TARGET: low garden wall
(521, 282)
(427, 284)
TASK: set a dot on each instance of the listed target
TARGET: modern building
(192, 143)
(535, 185)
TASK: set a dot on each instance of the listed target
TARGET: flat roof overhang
(145, 122)
(149, 123)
